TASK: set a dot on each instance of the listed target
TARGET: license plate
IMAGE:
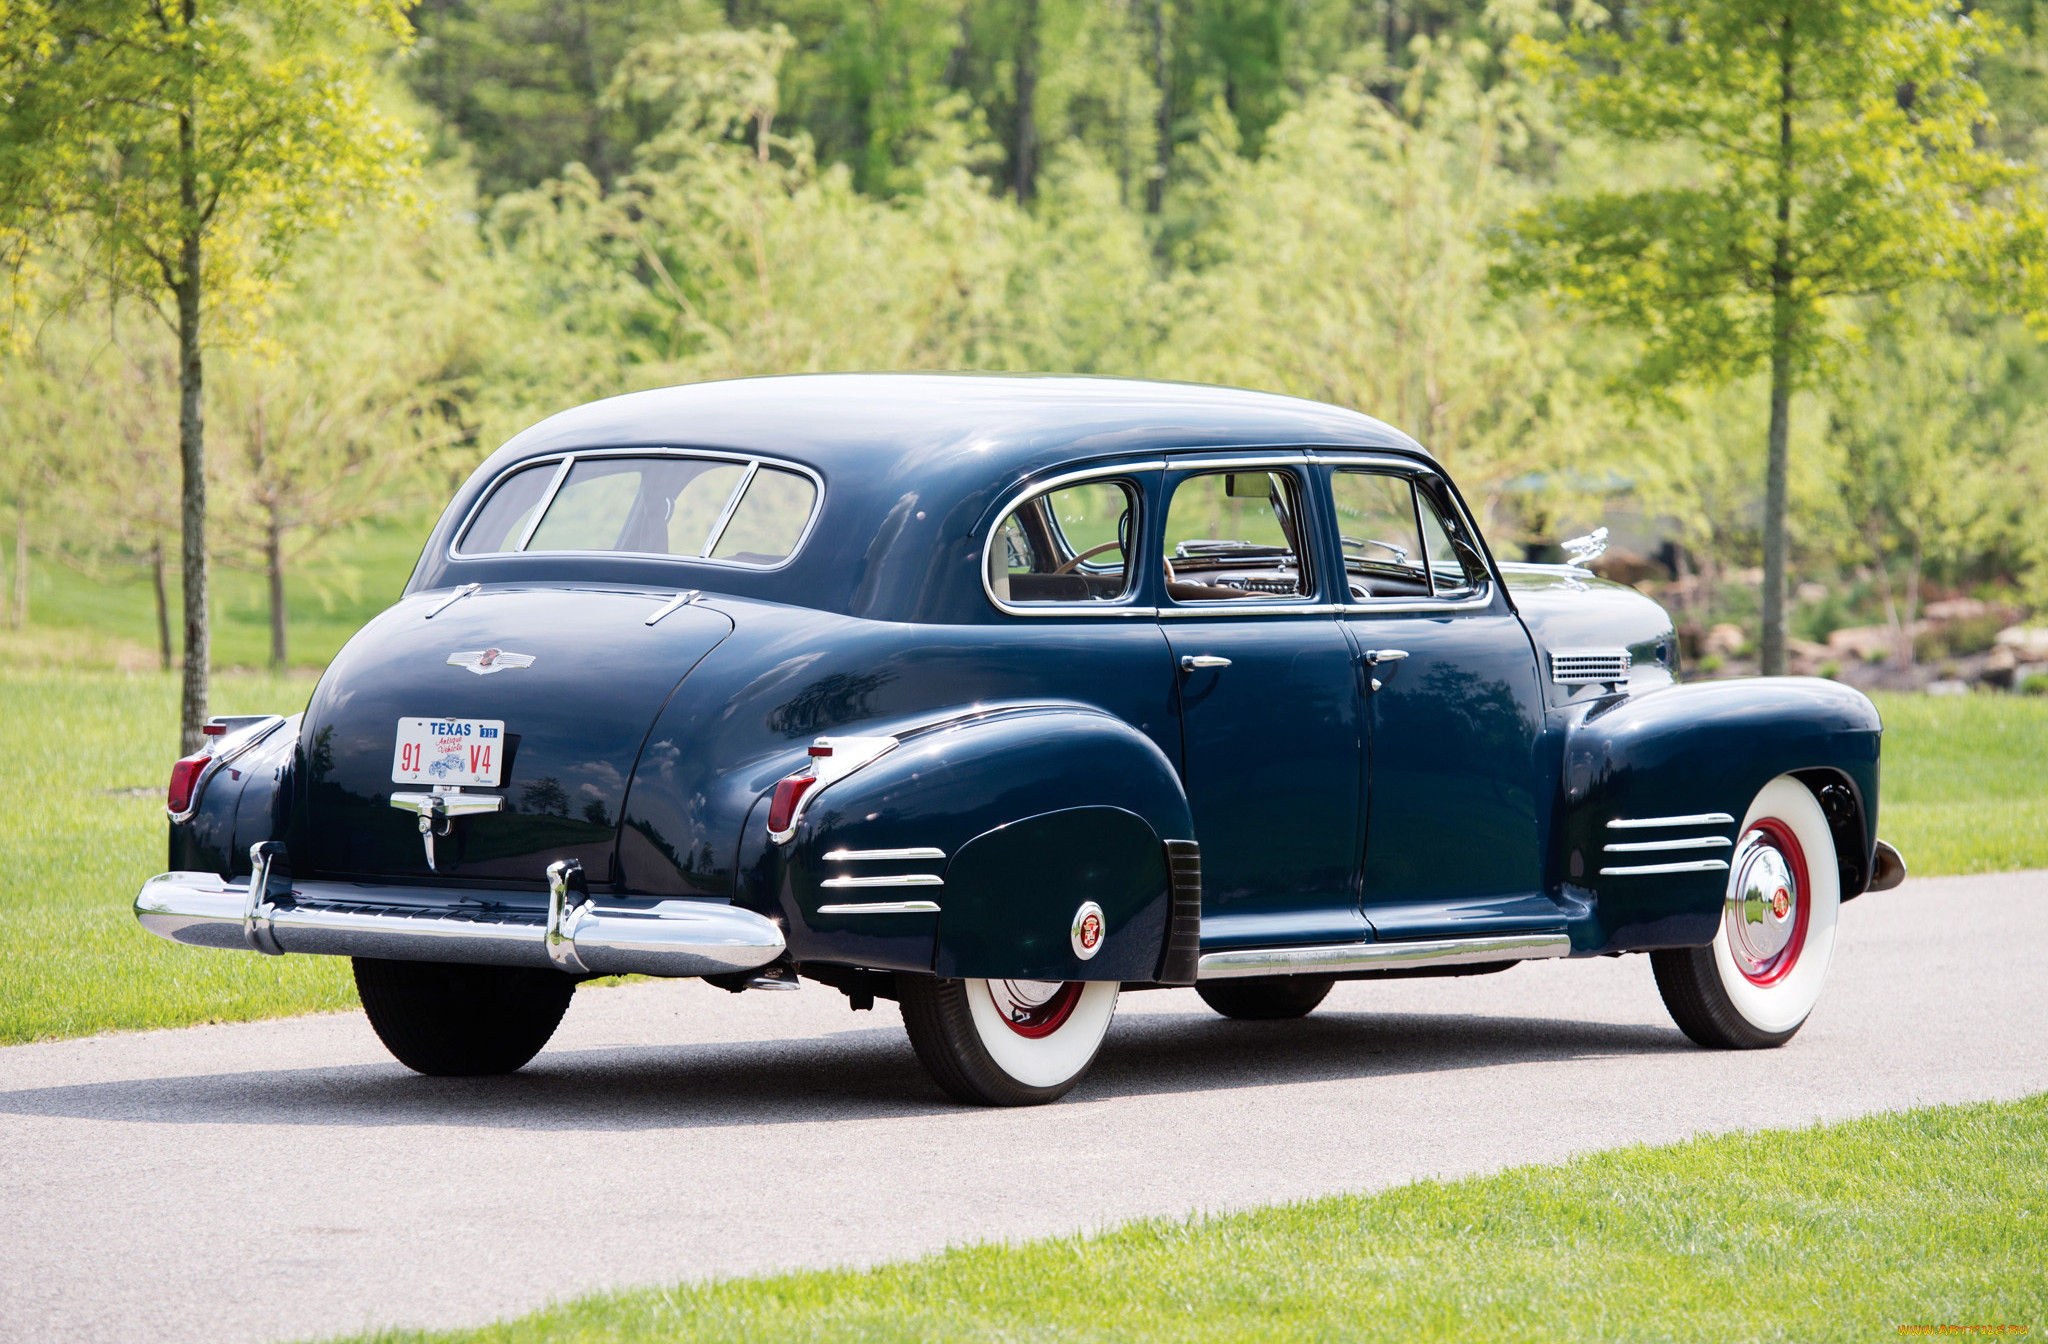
(449, 751)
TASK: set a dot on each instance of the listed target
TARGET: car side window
(1455, 569)
(1378, 528)
(1232, 535)
(1066, 545)
(769, 519)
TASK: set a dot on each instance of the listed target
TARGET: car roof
(975, 425)
(912, 463)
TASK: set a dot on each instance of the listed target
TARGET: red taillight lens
(788, 793)
(185, 778)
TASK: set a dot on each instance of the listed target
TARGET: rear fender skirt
(1678, 768)
(1023, 818)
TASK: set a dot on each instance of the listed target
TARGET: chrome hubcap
(1763, 906)
(1034, 1007)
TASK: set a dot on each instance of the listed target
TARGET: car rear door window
(1066, 545)
(1232, 535)
(769, 519)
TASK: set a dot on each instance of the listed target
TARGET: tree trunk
(1906, 658)
(1155, 190)
(163, 604)
(191, 452)
(18, 617)
(273, 565)
(1902, 643)
(1772, 642)
(1025, 175)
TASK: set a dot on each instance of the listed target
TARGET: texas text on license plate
(449, 751)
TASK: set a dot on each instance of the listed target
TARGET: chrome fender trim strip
(1649, 869)
(882, 908)
(1338, 957)
(900, 880)
(1696, 819)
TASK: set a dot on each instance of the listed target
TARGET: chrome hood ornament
(1585, 550)
(483, 662)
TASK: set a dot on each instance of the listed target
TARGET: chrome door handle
(1190, 661)
(1374, 657)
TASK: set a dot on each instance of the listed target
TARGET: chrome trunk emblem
(438, 810)
(483, 662)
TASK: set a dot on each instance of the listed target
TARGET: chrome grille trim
(1589, 667)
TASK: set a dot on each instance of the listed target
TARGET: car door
(1452, 711)
(1269, 713)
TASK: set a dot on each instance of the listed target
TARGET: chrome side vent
(1588, 667)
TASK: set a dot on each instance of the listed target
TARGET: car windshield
(743, 512)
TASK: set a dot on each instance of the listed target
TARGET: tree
(176, 151)
(1830, 154)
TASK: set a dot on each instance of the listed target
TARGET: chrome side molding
(1647, 823)
(896, 880)
(1335, 958)
(1683, 842)
(883, 855)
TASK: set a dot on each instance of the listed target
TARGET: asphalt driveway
(285, 1179)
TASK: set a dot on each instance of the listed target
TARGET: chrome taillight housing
(832, 758)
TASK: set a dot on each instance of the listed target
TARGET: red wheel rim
(1776, 835)
(1029, 1015)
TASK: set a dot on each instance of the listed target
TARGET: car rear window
(743, 512)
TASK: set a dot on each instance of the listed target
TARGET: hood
(575, 676)
(1565, 607)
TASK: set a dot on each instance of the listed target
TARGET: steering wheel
(1069, 567)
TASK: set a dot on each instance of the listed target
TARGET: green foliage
(1832, 155)
(147, 127)
(1848, 1231)
(1962, 782)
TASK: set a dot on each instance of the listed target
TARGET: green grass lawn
(1965, 786)
(1843, 1232)
(83, 762)
(84, 756)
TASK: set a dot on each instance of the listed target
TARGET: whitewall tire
(1757, 982)
(1006, 1042)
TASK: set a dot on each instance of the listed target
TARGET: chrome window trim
(1256, 459)
(1411, 606)
(540, 510)
(1225, 607)
(754, 461)
(732, 506)
(1023, 495)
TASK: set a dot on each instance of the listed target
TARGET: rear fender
(1031, 812)
(1692, 750)
(245, 799)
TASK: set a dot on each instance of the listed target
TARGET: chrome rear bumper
(350, 919)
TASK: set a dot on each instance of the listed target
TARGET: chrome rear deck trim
(1333, 958)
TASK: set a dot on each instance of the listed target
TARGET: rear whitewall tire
(971, 1051)
(1708, 992)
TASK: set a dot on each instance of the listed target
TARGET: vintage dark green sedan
(997, 697)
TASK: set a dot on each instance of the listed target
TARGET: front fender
(1703, 748)
(1031, 811)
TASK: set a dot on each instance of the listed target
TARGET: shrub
(2034, 683)
(1831, 669)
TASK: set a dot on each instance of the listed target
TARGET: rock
(1948, 688)
(1627, 567)
(1811, 592)
(1862, 641)
(1725, 640)
(1957, 609)
(2028, 643)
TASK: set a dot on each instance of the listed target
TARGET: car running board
(1337, 958)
